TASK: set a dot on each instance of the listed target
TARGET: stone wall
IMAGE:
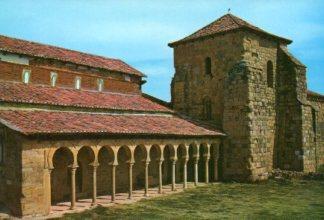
(237, 146)
(288, 146)
(295, 147)
(2, 177)
(190, 85)
(12, 172)
(243, 104)
(33, 172)
(258, 52)
(317, 103)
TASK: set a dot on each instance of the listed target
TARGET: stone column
(73, 194)
(207, 169)
(196, 171)
(47, 190)
(113, 182)
(146, 179)
(185, 173)
(130, 179)
(160, 176)
(173, 187)
(94, 184)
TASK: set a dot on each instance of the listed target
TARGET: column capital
(206, 156)
(130, 163)
(73, 167)
(94, 164)
(113, 164)
(49, 170)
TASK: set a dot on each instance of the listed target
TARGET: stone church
(75, 125)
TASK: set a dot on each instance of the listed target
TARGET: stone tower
(234, 76)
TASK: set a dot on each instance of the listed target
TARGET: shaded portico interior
(106, 171)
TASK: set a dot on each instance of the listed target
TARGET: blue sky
(138, 31)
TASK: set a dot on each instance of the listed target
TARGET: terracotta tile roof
(224, 24)
(39, 94)
(18, 46)
(315, 96)
(54, 122)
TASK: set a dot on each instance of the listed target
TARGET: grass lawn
(271, 200)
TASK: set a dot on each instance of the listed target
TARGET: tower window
(100, 83)
(314, 120)
(207, 109)
(208, 66)
(78, 82)
(53, 78)
(270, 74)
(127, 78)
(26, 76)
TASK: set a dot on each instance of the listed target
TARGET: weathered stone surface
(266, 114)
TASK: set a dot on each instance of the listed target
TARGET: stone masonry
(77, 126)
(258, 96)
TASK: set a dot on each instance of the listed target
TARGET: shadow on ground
(275, 199)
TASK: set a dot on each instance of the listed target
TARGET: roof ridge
(313, 93)
(234, 19)
(221, 25)
(211, 23)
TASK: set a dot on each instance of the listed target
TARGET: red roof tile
(225, 23)
(18, 46)
(39, 94)
(53, 122)
(315, 96)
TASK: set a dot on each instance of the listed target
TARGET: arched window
(78, 82)
(314, 120)
(270, 74)
(53, 78)
(26, 76)
(207, 109)
(127, 78)
(207, 66)
(100, 83)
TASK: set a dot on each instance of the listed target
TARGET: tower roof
(225, 24)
